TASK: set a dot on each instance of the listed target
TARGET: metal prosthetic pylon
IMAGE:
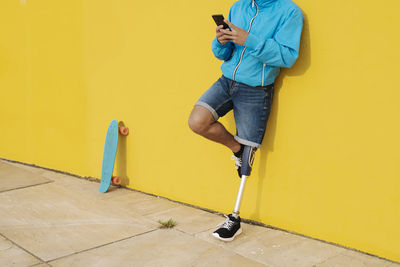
(247, 163)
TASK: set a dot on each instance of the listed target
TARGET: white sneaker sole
(229, 238)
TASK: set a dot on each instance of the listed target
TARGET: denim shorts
(251, 107)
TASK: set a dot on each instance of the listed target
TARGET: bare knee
(197, 124)
(200, 120)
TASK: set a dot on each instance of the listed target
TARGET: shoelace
(238, 161)
(228, 223)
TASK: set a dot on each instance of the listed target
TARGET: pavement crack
(24, 187)
(102, 245)
(27, 251)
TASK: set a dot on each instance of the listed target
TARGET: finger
(219, 28)
(224, 38)
(228, 32)
(230, 24)
(219, 34)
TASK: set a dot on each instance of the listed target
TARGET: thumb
(230, 24)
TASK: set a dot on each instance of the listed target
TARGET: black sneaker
(229, 229)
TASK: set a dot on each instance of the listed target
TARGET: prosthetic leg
(247, 163)
(231, 227)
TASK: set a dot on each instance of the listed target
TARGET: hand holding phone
(229, 31)
(221, 36)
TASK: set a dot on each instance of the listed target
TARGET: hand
(222, 38)
(237, 35)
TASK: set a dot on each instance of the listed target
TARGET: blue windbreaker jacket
(274, 28)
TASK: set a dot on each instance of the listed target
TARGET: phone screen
(219, 20)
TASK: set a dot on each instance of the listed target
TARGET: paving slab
(12, 177)
(132, 202)
(31, 168)
(158, 248)
(12, 255)
(142, 204)
(188, 219)
(277, 248)
(52, 221)
(71, 182)
(86, 188)
(360, 259)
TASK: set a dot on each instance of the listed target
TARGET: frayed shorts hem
(246, 142)
(207, 106)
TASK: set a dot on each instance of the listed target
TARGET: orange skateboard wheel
(116, 180)
(124, 130)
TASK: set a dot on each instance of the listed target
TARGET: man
(264, 36)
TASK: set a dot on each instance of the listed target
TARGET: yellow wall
(328, 167)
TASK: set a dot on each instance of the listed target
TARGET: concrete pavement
(53, 219)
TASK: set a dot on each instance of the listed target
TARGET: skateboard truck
(247, 163)
(116, 180)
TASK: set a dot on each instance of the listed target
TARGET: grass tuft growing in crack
(167, 224)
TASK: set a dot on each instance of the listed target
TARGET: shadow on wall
(299, 68)
(120, 165)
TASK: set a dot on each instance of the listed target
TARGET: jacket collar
(262, 3)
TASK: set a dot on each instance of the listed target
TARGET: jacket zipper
(263, 74)
(241, 56)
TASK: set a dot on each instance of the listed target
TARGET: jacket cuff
(252, 41)
(217, 44)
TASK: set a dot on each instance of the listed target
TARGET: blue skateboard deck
(110, 150)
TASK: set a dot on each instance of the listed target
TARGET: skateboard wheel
(124, 130)
(116, 180)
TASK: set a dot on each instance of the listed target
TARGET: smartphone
(219, 20)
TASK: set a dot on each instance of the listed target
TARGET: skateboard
(110, 151)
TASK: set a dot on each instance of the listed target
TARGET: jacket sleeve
(223, 52)
(283, 49)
